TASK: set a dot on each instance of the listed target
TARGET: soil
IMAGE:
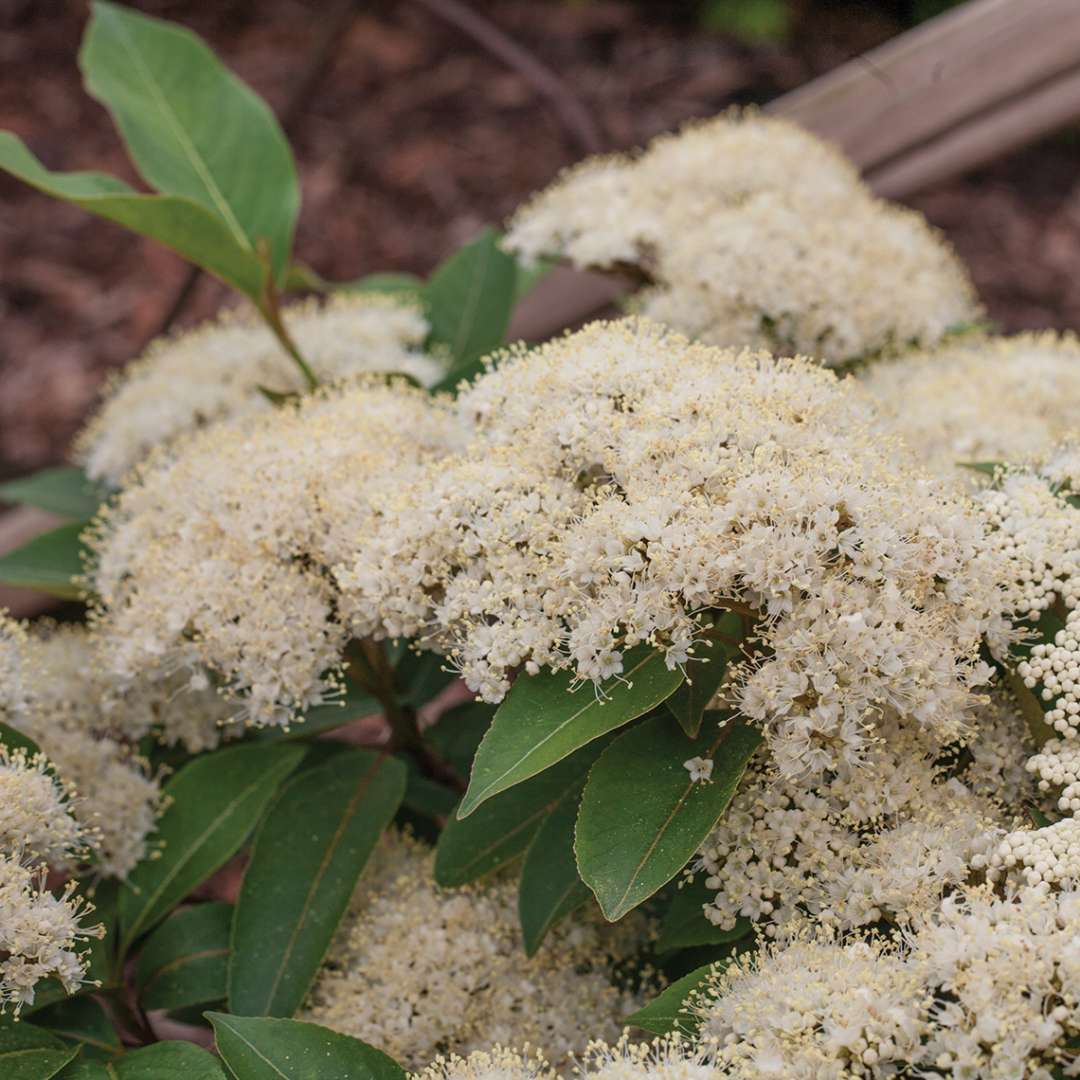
(409, 138)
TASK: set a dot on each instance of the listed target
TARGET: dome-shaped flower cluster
(754, 233)
(452, 963)
(220, 369)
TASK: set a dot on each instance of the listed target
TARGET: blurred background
(410, 134)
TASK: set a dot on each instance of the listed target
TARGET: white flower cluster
(884, 840)
(40, 933)
(1039, 858)
(985, 987)
(219, 369)
(754, 233)
(452, 963)
(215, 557)
(621, 479)
(981, 399)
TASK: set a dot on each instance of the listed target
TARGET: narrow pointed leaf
(215, 803)
(171, 1060)
(31, 1053)
(259, 1048)
(642, 817)
(181, 224)
(304, 866)
(185, 960)
(193, 129)
(684, 925)
(543, 719)
(49, 563)
(469, 299)
(667, 1012)
(504, 827)
(65, 491)
(550, 888)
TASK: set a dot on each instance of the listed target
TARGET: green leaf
(407, 286)
(16, 740)
(31, 1053)
(49, 563)
(458, 731)
(193, 129)
(469, 298)
(65, 491)
(185, 226)
(706, 673)
(82, 1023)
(426, 796)
(304, 866)
(185, 960)
(528, 277)
(542, 720)
(665, 1013)
(172, 1060)
(642, 818)
(504, 827)
(257, 1048)
(684, 925)
(550, 888)
(216, 801)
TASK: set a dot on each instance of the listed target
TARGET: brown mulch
(412, 139)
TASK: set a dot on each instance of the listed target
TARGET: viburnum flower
(219, 370)
(981, 399)
(213, 561)
(622, 479)
(753, 232)
(498, 1063)
(40, 934)
(452, 963)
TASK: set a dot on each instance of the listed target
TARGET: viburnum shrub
(708, 675)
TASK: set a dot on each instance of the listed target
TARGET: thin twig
(334, 28)
(573, 114)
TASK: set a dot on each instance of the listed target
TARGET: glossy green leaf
(542, 720)
(259, 1048)
(684, 925)
(28, 1052)
(469, 298)
(504, 827)
(83, 1023)
(193, 129)
(64, 491)
(642, 818)
(550, 888)
(185, 960)
(667, 1012)
(49, 563)
(16, 740)
(172, 1060)
(458, 732)
(705, 673)
(216, 801)
(304, 866)
(426, 796)
(181, 224)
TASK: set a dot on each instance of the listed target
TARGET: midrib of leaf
(618, 910)
(248, 1043)
(481, 796)
(350, 813)
(152, 898)
(189, 148)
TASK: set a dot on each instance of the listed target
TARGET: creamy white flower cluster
(884, 840)
(215, 558)
(219, 369)
(981, 399)
(753, 232)
(621, 479)
(452, 963)
(40, 933)
(985, 986)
